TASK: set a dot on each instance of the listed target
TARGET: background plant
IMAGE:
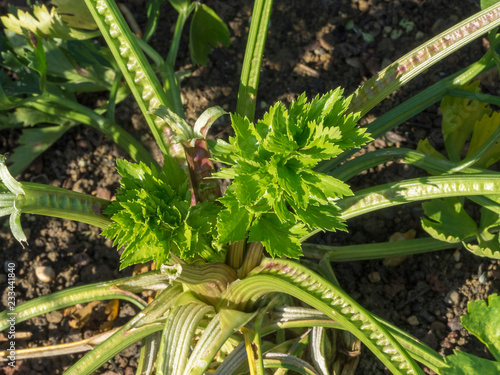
(317, 292)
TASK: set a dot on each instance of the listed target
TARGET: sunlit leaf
(207, 31)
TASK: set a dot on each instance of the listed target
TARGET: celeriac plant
(229, 296)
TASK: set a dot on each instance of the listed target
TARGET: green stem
(77, 112)
(415, 62)
(418, 189)
(137, 71)
(171, 84)
(474, 157)
(140, 326)
(114, 289)
(66, 204)
(479, 96)
(415, 105)
(249, 81)
(110, 115)
(416, 158)
(284, 276)
(375, 250)
(176, 39)
(413, 190)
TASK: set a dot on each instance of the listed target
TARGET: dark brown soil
(311, 48)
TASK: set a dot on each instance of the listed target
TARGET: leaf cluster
(39, 68)
(467, 125)
(275, 194)
(153, 217)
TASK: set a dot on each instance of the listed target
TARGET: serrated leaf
(32, 143)
(483, 129)
(450, 222)
(180, 6)
(75, 13)
(459, 117)
(325, 217)
(249, 189)
(461, 363)
(488, 242)
(27, 117)
(290, 179)
(483, 321)
(485, 248)
(233, 222)
(278, 238)
(43, 23)
(487, 3)
(426, 148)
(246, 138)
(207, 30)
(330, 187)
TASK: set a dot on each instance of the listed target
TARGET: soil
(311, 47)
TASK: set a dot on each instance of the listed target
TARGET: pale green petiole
(8, 204)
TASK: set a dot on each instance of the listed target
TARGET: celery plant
(227, 288)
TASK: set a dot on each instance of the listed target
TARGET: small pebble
(438, 326)
(45, 273)
(374, 277)
(54, 317)
(459, 266)
(482, 278)
(452, 298)
(394, 261)
(363, 6)
(454, 324)
(226, 91)
(413, 320)
(456, 255)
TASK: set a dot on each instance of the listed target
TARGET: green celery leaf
(426, 148)
(488, 246)
(290, 179)
(325, 217)
(39, 62)
(207, 30)
(483, 129)
(331, 187)
(487, 3)
(153, 217)
(247, 137)
(448, 220)
(278, 238)
(32, 143)
(271, 164)
(459, 117)
(249, 189)
(483, 321)
(44, 23)
(24, 117)
(233, 221)
(488, 238)
(461, 363)
(75, 13)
